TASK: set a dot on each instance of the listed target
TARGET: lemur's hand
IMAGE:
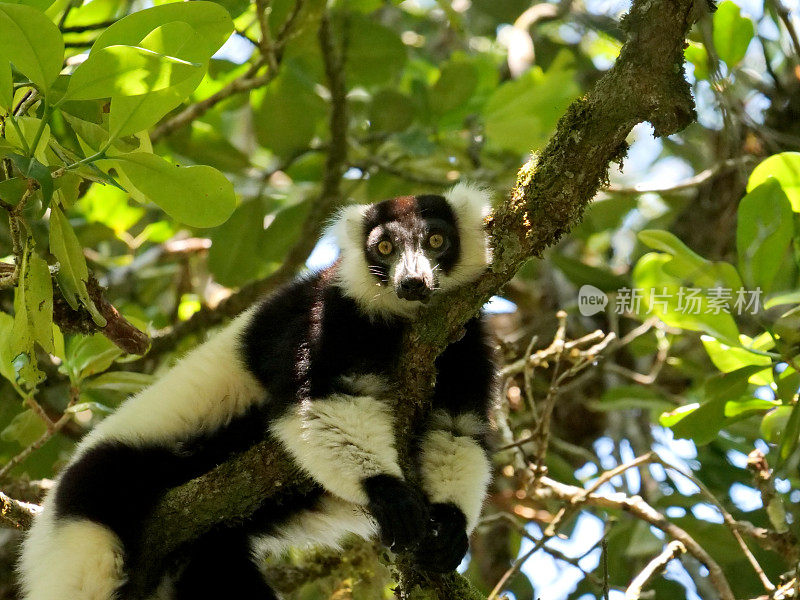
(445, 542)
(400, 510)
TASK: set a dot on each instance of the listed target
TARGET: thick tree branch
(16, 513)
(549, 198)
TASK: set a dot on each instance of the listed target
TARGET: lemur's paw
(399, 509)
(445, 542)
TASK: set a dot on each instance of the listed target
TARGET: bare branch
(653, 569)
(637, 507)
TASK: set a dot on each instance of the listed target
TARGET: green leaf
(235, 254)
(375, 54)
(11, 190)
(732, 33)
(30, 167)
(199, 196)
(286, 113)
(763, 233)
(391, 111)
(727, 358)
(455, 85)
(580, 273)
(701, 422)
(211, 21)
(787, 384)
(155, 29)
(32, 43)
(697, 55)
(89, 355)
(122, 382)
(785, 167)
(747, 406)
(521, 114)
(29, 126)
(774, 423)
(791, 434)
(632, 396)
(33, 299)
(6, 84)
(690, 266)
(72, 273)
(28, 296)
(787, 298)
(24, 429)
(127, 71)
(664, 295)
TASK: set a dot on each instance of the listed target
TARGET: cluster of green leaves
(768, 244)
(732, 33)
(89, 125)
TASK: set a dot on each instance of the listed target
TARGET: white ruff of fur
(340, 441)
(325, 526)
(455, 469)
(471, 205)
(77, 559)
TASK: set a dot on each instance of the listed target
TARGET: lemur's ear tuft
(470, 201)
(346, 227)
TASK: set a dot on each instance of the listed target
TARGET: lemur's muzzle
(414, 277)
(414, 288)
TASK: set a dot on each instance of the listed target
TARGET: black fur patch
(445, 542)
(400, 510)
(306, 336)
(221, 566)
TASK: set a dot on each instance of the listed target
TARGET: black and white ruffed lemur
(311, 366)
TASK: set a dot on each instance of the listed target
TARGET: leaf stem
(40, 131)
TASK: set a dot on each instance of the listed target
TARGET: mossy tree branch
(551, 192)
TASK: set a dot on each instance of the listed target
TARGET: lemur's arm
(333, 422)
(453, 461)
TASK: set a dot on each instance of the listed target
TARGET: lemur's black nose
(414, 288)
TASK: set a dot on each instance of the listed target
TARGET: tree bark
(552, 190)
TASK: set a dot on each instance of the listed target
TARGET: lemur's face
(396, 254)
(409, 243)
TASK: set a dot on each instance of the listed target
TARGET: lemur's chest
(355, 347)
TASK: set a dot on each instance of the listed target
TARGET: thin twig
(674, 549)
(636, 506)
(695, 181)
(727, 517)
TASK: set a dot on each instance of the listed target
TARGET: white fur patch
(324, 526)
(468, 424)
(340, 440)
(202, 392)
(74, 559)
(455, 469)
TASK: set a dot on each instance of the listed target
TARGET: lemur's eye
(385, 247)
(436, 240)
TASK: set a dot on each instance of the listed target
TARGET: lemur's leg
(453, 462)
(347, 444)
